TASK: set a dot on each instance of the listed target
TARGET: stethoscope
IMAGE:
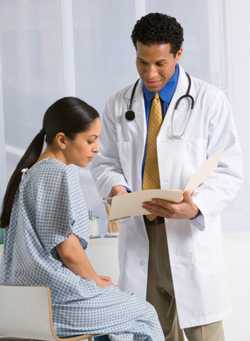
(130, 114)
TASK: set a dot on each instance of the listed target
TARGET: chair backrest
(25, 313)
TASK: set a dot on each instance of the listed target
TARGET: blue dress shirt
(165, 94)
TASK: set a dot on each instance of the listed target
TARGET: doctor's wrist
(197, 212)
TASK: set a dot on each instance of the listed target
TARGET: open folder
(128, 205)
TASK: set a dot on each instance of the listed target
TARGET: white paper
(203, 172)
(128, 205)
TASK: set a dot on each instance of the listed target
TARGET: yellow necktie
(151, 178)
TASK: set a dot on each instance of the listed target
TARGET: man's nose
(152, 71)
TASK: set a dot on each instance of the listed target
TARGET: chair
(26, 313)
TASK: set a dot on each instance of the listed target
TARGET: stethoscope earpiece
(130, 115)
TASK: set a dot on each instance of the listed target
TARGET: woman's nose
(96, 148)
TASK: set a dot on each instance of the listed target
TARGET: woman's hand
(103, 281)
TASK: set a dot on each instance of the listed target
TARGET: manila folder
(128, 205)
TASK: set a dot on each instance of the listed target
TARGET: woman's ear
(61, 141)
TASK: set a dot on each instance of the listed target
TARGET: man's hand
(118, 190)
(163, 208)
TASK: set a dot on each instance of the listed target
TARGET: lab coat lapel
(181, 89)
(140, 116)
(138, 129)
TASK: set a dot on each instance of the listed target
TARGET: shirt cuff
(198, 220)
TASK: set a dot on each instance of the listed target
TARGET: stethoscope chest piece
(130, 115)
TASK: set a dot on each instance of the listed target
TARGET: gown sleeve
(61, 208)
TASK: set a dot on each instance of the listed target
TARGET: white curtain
(53, 48)
(2, 142)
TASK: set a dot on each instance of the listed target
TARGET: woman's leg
(144, 328)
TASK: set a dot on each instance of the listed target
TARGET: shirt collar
(167, 91)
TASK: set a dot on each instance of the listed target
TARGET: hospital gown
(48, 206)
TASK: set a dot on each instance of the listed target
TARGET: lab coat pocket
(207, 244)
(194, 155)
(170, 159)
(196, 149)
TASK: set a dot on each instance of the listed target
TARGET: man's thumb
(187, 196)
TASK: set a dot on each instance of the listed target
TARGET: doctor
(173, 257)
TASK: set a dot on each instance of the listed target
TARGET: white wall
(237, 326)
(238, 68)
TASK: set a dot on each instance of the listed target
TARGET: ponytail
(29, 158)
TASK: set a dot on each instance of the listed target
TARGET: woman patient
(46, 222)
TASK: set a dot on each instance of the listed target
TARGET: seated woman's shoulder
(53, 169)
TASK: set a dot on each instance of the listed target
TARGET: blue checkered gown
(49, 206)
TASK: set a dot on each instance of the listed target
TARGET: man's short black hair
(158, 28)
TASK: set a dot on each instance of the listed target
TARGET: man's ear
(179, 54)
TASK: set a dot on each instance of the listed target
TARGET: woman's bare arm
(75, 258)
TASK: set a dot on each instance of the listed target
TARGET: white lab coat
(195, 246)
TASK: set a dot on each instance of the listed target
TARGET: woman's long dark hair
(69, 115)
